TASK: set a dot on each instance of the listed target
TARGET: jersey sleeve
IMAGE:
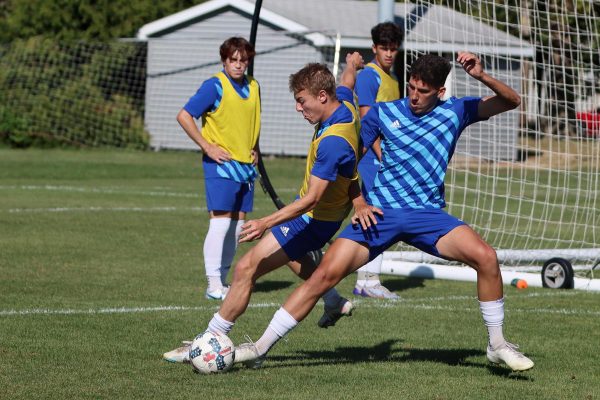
(471, 110)
(369, 127)
(344, 94)
(367, 86)
(334, 155)
(206, 99)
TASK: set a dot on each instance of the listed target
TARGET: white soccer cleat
(180, 354)
(509, 355)
(331, 315)
(247, 354)
(378, 292)
(217, 294)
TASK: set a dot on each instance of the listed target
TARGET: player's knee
(323, 280)
(245, 270)
(485, 259)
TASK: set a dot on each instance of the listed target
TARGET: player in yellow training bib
(229, 107)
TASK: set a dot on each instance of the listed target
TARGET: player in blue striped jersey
(418, 137)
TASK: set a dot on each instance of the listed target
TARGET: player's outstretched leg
(266, 256)
(342, 258)
(335, 306)
(464, 244)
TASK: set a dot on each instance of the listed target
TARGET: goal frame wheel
(557, 273)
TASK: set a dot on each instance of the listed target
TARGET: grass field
(101, 272)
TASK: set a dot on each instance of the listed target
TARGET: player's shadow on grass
(400, 284)
(388, 351)
(269, 286)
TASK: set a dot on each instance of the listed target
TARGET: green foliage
(82, 19)
(72, 93)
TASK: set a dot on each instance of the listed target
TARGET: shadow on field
(268, 286)
(389, 351)
(400, 284)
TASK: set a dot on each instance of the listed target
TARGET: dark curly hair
(431, 69)
(387, 33)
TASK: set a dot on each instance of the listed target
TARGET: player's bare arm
(363, 212)
(255, 154)
(354, 62)
(254, 229)
(505, 99)
(215, 152)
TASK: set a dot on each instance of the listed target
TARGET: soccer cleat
(509, 355)
(247, 354)
(180, 354)
(332, 315)
(377, 292)
(217, 294)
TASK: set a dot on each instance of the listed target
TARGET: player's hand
(365, 214)
(252, 230)
(255, 155)
(217, 153)
(355, 59)
(471, 64)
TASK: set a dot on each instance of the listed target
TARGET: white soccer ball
(212, 353)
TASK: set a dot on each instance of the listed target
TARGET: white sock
(368, 274)
(493, 317)
(219, 324)
(279, 326)
(331, 298)
(214, 251)
(230, 244)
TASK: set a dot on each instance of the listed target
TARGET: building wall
(178, 63)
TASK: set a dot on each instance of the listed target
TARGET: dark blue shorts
(227, 195)
(421, 228)
(303, 234)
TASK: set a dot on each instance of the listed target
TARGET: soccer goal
(528, 182)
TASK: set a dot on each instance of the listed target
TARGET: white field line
(435, 303)
(105, 209)
(78, 189)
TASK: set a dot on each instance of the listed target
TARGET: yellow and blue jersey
(231, 119)
(333, 156)
(373, 85)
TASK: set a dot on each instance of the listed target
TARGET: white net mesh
(527, 179)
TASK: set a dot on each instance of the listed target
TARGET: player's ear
(322, 96)
(441, 92)
(374, 47)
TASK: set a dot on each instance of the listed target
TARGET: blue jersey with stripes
(415, 150)
(208, 98)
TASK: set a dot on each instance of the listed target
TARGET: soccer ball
(211, 353)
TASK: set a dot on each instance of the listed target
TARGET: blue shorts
(421, 228)
(367, 169)
(303, 234)
(227, 195)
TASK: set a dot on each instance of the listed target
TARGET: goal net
(527, 181)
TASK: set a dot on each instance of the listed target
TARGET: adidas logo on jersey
(395, 124)
(284, 230)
